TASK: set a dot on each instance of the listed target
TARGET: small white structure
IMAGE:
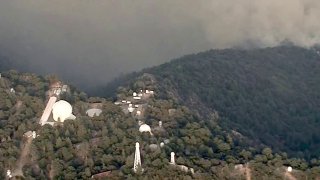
(145, 128)
(123, 101)
(57, 92)
(147, 91)
(0, 76)
(138, 113)
(12, 90)
(183, 168)
(137, 98)
(172, 159)
(238, 166)
(134, 94)
(137, 159)
(9, 175)
(136, 106)
(131, 109)
(140, 123)
(34, 134)
(180, 167)
(289, 169)
(160, 124)
(94, 112)
(166, 141)
(192, 170)
(162, 144)
(64, 88)
(128, 102)
(62, 110)
(117, 103)
(140, 94)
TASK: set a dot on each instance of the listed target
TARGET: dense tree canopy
(271, 95)
(87, 146)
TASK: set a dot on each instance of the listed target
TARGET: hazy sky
(93, 41)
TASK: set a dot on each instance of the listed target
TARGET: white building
(12, 90)
(62, 110)
(160, 124)
(9, 175)
(145, 128)
(131, 109)
(93, 112)
(64, 88)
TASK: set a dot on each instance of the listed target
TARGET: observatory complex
(61, 111)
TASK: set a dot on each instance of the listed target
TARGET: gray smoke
(89, 42)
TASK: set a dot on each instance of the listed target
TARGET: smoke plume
(89, 42)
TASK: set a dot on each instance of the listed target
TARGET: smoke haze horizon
(91, 42)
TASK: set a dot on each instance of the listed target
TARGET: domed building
(94, 112)
(62, 110)
(145, 128)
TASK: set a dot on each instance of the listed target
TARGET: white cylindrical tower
(160, 124)
(172, 158)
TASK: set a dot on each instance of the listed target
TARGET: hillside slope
(104, 145)
(270, 95)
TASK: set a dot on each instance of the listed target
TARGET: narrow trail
(23, 158)
(248, 172)
(289, 176)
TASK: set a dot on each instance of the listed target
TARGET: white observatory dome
(61, 110)
(145, 128)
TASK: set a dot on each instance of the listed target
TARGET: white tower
(137, 159)
(160, 124)
(172, 159)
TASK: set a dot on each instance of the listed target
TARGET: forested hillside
(104, 145)
(271, 96)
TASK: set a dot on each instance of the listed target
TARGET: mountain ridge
(274, 91)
